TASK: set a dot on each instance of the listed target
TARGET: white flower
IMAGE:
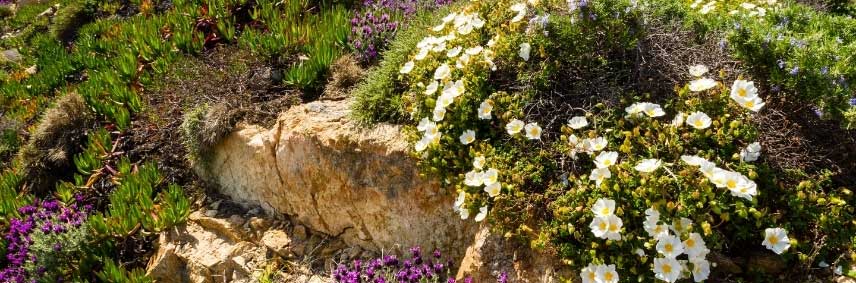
(533, 131)
(694, 246)
(445, 100)
(454, 89)
(439, 113)
(449, 17)
(462, 61)
(423, 143)
(474, 178)
(465, 213)
(520, 8)
(478, 162)
(578, 122)
(423, 52)
(454, 52)
(698, 120)
(525, 48)
(589, 273)
(743, 89)
(459, 201)
(648, 165)
(670, 246)
(751, 152)
(613, 230)
(606, 159)
(650, 109)
(484, 110)
(776, 240)
(748, 6)
(698, 70)
(598, 143)
(701, 269)
(702, 84)
(439, 27)
(653, 110)
(407, 67)
(678, 121)
(468, 136)
(431, 88)
(607, 274)
(474, 50)
(424, 124)
(599, 226)
(667, 269)
(490, 176)
(443, 72)
(652, 213)
(482, 214)
(603, 207)
(682, 225)
(755, 104)
(655, 230)
(693, 160)
(600, 174)
(514, 127)
(640, 252)
(492, 190)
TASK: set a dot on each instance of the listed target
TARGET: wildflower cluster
(390, 268)
(638, 186)
(375, 25)
(45, 240)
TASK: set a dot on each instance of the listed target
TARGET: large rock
(322, 169)
(206, 250)
(491, 255)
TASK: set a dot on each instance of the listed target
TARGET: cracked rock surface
(319, 167)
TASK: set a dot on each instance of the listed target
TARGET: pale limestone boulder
(325, 171)
(490, 255)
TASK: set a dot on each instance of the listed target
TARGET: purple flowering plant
(390, 268)
(375, 25)
(43, 241)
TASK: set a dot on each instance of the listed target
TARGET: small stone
(277, 241)
(844, 279)
(259, 223)
(299, 233)
(236, 220)
(211, 213)
(11, 55)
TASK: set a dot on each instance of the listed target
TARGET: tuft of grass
(202, 128)
(345, 73)
(54, 142)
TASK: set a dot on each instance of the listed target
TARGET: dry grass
(47, 157)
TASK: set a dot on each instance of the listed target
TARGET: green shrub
(70, 17)
(539, 183)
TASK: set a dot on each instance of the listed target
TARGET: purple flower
(853, 101)
(781, 63)
(503, 277)
(794, 71)
(824, 70)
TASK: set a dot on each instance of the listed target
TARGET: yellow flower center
(613, 227)
(604, 211)
(592, 276)
(773, 240)
(689, 243)
(741, 92)
(668, 248)
(731, 184)
(698, 123)
(608, 276)
(667, 268)
(750, 104)
(602, 226)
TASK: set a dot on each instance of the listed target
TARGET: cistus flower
(648, 165)
(514, 127)
(667, 269)
(525, 48)
(698, 120)
(776, 240)
(578, 122)
(533, 131)
(698, 70)
(702, 84)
